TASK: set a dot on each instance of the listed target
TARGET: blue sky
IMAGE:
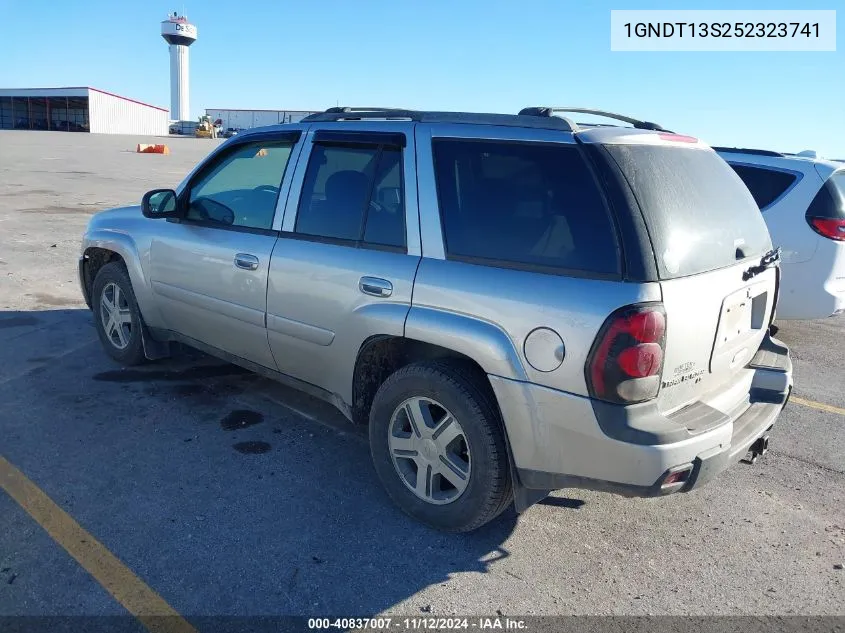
(459, 55)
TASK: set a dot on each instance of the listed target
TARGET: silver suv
(512, 303)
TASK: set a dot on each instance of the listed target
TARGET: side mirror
(159, 203)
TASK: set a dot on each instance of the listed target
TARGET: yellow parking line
(115, 577)
(817, 405)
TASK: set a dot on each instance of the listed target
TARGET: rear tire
(453, 475)
(116, 314)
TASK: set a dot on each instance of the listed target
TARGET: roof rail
(424, 116)
(547, 111)
(744, 150)
(345, 114)
(341, 109)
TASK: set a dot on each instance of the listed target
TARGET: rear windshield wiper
(767, 261)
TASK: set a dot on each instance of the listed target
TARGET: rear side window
(829, 202)
(765, 185)
(523, 205)
(699, 214)
(354, 193)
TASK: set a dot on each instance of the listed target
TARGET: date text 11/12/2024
(480, 623)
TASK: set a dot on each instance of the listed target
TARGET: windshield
(699, 214)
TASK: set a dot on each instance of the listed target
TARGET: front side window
(242, 188)
(353, 193)
(523, 204)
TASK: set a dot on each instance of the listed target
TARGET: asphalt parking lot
(227, 494)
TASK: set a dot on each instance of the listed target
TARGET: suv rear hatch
(707, 238)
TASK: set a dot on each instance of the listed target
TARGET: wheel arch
(484, 342)
(380, 356)
(93, 259)
(102, 250)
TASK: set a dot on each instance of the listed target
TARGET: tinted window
(242, 188)
(386, 214)
(766, 185)
(829, 202)
(353, 193)
(523, 203)
(699, 214)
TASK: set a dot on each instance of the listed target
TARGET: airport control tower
(179, 34)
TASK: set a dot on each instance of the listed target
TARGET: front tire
(438, 447)
(116, 314)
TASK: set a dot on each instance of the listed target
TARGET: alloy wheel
(116, 316)
(430, 451)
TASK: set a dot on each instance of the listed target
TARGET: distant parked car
(513, 303)
(232, 131)
(802, 199)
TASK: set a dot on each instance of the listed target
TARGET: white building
(79, 109)
(245, 119)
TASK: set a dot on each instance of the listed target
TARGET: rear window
(700, 216)
(765, 185)
(523, 205)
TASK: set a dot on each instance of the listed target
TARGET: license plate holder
(735, 320)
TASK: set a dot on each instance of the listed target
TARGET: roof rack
(477, 118)
(350, 114)
(344, 109)
(548, 111)
(745, 150)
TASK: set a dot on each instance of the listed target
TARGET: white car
(802, 199)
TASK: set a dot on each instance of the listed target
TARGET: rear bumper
(558, 440)
(706, 465)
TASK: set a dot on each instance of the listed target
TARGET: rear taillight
(833, 229)
(626, 359)
(826, 213)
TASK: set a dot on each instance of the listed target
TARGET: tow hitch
(758, 448)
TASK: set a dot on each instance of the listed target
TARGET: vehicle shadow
(562, 502)
(227, 493)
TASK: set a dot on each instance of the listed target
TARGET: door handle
(246, 261)
(375, 286)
